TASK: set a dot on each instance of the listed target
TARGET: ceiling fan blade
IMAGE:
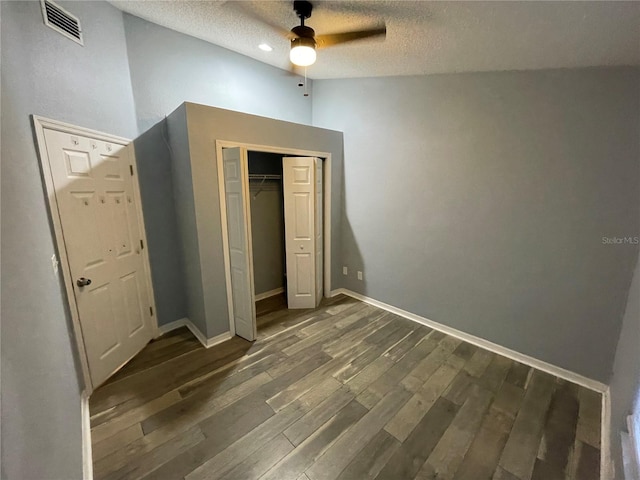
(324, 41)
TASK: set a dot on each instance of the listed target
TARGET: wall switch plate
(54, 263)
(359, 275)
(344, 270)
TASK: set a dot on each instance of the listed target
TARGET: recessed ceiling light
(264, 47)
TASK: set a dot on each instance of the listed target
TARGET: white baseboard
(482, 343)
(270, 293)
(162, 329)
(628, 466)
(185, 322)
(606, 465)
(223, 337)
(633, 427)
(87, 454)
(607, 470)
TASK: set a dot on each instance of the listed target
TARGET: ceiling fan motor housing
(303, 9)
(303, 42)
(302, 31)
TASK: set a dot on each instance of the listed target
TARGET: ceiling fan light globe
(302, 55)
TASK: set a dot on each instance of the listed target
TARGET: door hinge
(131, 169)
(141, 245)
(151, 311)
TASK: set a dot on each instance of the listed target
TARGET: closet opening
(273, 203)
(266, 202)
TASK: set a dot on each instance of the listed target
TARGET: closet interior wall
(267, 221)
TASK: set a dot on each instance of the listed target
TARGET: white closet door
(319, 233)
(235, 163)
(299, 181)
(102, 232)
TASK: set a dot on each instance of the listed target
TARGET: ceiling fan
(304, 40)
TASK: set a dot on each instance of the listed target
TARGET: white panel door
(234, 165)
(299, 182)
(319, 233)
(102, 231)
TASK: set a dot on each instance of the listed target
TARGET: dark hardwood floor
(346, 391)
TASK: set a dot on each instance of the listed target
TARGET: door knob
(82, 282)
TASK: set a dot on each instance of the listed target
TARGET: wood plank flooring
(346, 391)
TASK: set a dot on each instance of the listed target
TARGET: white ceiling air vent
(61, 21)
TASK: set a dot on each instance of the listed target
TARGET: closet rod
(262, 178)
(257, 176)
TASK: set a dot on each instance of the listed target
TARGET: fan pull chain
(306, 94)
(304, 84)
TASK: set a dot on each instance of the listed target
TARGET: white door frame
(40, 124)
(326, 173)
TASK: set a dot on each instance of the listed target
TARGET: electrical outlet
(54, 263)
(359, 275)
(344, 271)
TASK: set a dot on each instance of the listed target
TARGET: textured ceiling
(422, 37)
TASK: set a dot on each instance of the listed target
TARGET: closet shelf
(256, 176)
(262, 178)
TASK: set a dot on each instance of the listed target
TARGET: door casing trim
(326, 193)
(39, 125)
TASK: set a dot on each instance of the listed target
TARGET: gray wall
(267, 233)
(205, 126)
(480, 201)
(153, 159)
(46, 74)
(625, 383)
(267, 223)
(188, 252)
(169, 68)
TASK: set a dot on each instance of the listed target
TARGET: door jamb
(326, 194)
(39, 125)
